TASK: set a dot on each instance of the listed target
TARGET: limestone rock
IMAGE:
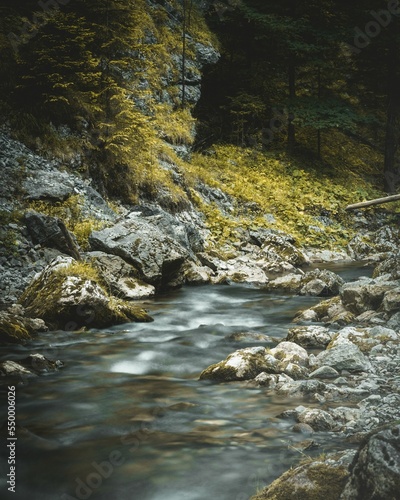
(345, 356)
(121, 278)
(141, 243)
(312, 336)
(244, 364)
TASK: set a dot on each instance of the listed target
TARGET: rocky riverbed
(343, 354)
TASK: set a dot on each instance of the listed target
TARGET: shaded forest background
(290, 72)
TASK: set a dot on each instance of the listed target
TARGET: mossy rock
(13, 330)
(312, 481)
(69, 301)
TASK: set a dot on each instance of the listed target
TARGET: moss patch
(314, 481)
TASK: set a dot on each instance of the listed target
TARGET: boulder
(312, 480)
(142, 244)
(244, 364)
(319, 283)
(121, 278)
(319, 420)
(40, 185)
(375, 471)
(364, 295)
(328, 311)
(69, 299)
(51, 232)
(345, 356)
(310, 336)
(16, 328)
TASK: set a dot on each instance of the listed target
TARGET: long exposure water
(127, 417)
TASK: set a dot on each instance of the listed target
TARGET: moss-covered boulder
(15, 328)
(311, 481)
(244, 364)
(328, 311)
(69, 295)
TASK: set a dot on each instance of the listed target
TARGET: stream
(127, 417)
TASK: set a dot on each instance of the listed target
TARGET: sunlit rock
(312, 336)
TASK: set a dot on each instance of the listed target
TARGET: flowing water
(127, 417)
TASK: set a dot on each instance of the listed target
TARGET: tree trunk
(392, 150)
(292, 95)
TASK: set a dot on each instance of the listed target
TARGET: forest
(197, 298)
(288, 74)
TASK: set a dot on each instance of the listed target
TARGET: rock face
(140, 242)
(375, 471)
(69, 302)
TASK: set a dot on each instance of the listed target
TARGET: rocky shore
(342, 357)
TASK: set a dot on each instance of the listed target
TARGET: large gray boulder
(375, 471)
(365, 294)
(140, 242)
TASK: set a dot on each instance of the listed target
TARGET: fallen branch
(378, 201)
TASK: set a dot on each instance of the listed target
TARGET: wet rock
(39, 364)
(328, 311)
(303, 428)
(375, 471)
(310, 336)
(313, 480)
(244, 364)
(69, 302)
(301, 388)
(249, 337)
(14, 369)
(16, 328)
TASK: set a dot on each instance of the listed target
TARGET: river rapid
(127, 417)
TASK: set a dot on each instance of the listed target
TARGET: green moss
(70, 212)
(314, 481)
(42, 300)
(13, 331)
